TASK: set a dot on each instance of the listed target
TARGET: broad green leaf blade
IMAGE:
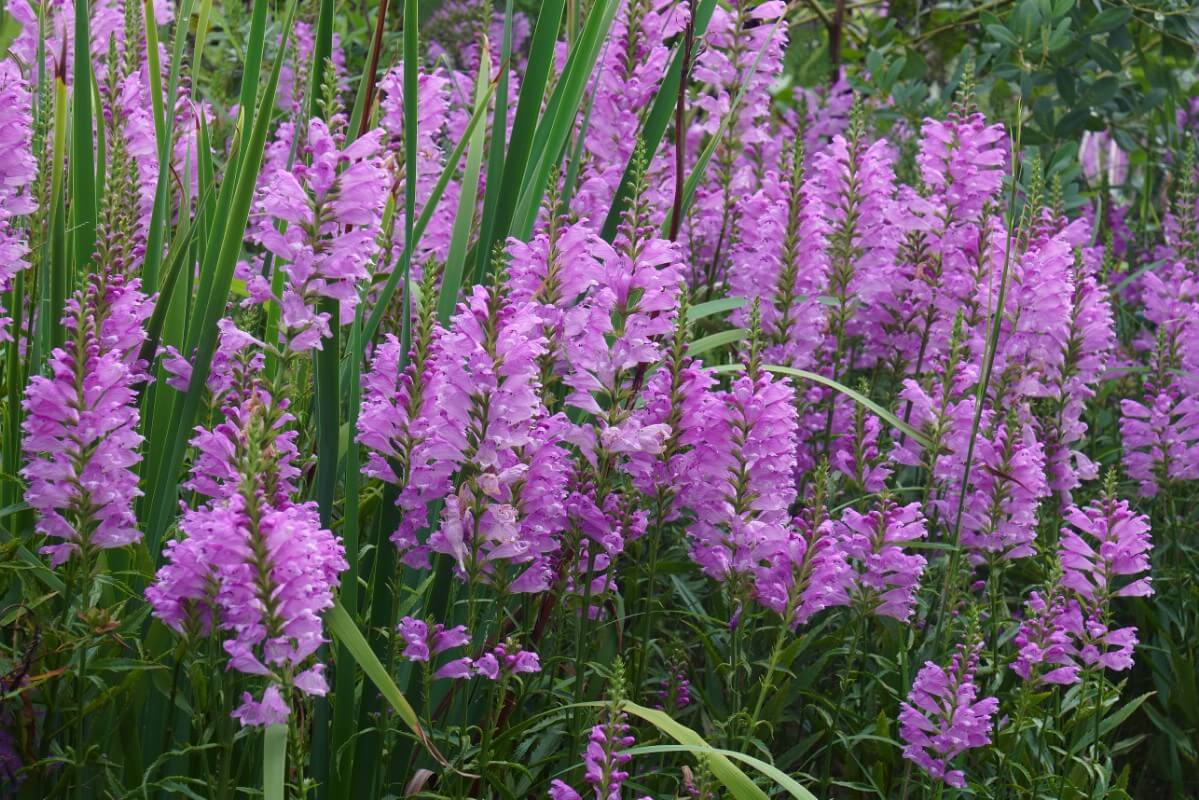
(722, 305)
(725, 771)
(274, 762)
(411, 132)
(1086, 734)
(524, 125)
(464, 218)
(82, 164)
(856, 396)
(165, 477)
(495, 158)
(345, 708)
(718, 339)
(364, 97)
(53, 280)
(769, 770)
(341, 626)
(558, 120)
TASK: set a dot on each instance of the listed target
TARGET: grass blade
(274, 761)
(495, 159)
(464, 219)
(711, 308)
(342, 627)
(856, 396)
(83, 164)
(344, 707)
(769, 770)
(524, 125)
(737, 782)
(163, 497)
(558, 121)
(718, 339)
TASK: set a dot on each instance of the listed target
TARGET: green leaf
(274, 761)
(733, 779)
(10, 29)
(713, 307)
(719, 339)
(558, 120)
(857, 397)
(525, 125)
(341, 626)
(771, 771)
(1109, 19)
(1002, 35)
(464, 218)
(1086, 736)
(211, 305)
(82, 164)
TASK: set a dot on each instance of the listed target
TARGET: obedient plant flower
(1007, 483)
(506, 660)
(252, 561)
(741, 57)
(1105, 551)
(1090, 343)
(944, 718)
(741, 485)
(81, 440)
(886, 577)
(18, 170)
(780, 258)
(333, 211)
(619, 328)
(605, 759)
(1044, 642)
(423, 643)
(674, 396)
(396, 417)
(1161, 438)
(806, 573)
(854, 184)
(490, 447)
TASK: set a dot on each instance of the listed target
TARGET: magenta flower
(1161, 439)
(806, 574)
(1007, 484)
(252, 561)
(943, 717)
(18, 170)
(1105, 551)
(634, 62)
(604, 760)
(781, 259)
(886, 577)
(1044, 640)
(741, 484)
(333, 212)
(81, 441)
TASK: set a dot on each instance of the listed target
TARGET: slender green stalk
(83, 163)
